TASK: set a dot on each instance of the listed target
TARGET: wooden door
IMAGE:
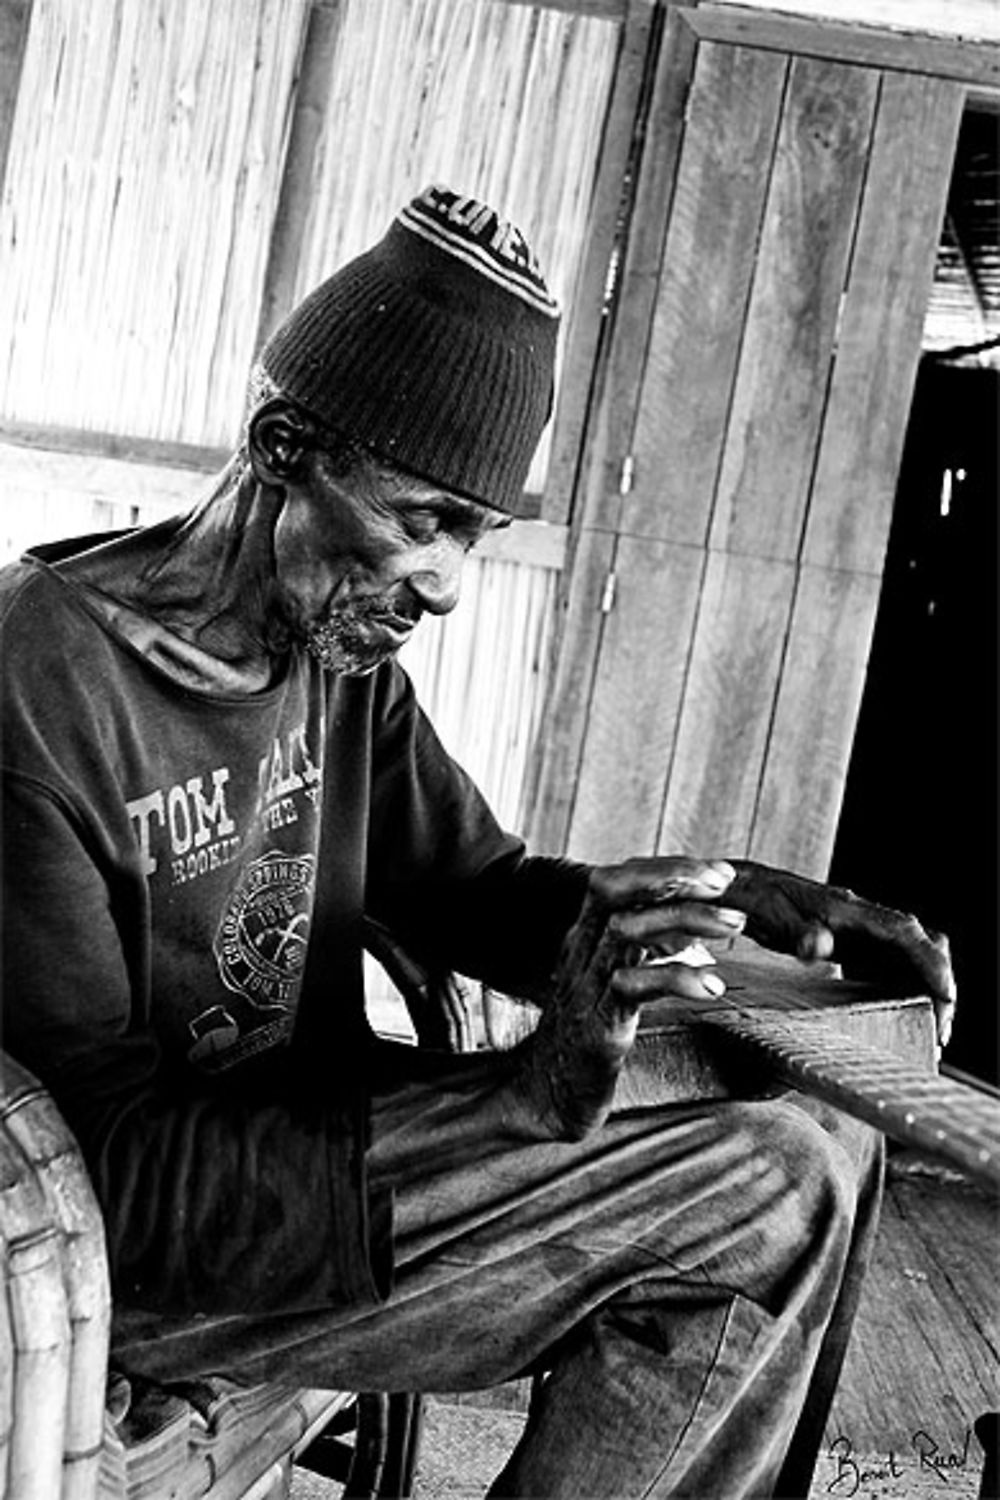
(737, 493)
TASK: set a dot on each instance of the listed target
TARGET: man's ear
(279, 437)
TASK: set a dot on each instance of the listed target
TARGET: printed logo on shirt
(260, 945)
(196, 819)
(192, 820)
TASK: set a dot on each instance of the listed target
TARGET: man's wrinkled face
(359, 559)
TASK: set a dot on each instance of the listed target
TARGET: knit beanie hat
(435, 349)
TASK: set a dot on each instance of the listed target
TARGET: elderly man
(214, 772)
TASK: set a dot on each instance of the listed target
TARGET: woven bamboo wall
(143, 179)
(143, 174)
(481, 673)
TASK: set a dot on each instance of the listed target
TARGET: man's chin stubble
(336, 651)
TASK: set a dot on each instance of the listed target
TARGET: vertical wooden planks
(768, 448)
(703, 285)
(722, 734)
(587, 310)
(856, 464)
(885, 302)
(780, 387)
(662, 132)
(552, 787)
(795, 821)
(637, 694)
(571, 701)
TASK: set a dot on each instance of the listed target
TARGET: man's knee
(807, 1184)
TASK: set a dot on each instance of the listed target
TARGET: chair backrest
(56, 1312)
(55, 1315)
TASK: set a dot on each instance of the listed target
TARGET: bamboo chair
(69, 1431)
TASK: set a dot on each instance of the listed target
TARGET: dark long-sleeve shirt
(185, 876)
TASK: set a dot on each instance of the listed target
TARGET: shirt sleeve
(454, 888)
(212, 1201)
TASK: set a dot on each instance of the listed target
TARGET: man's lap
(502, 1246)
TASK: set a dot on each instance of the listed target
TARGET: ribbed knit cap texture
(436, 349)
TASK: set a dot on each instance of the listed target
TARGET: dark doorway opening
(919, 826)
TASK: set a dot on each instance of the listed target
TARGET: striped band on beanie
(435, 348)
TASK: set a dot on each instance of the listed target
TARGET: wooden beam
(15, 16)
(531, 543)
(973, 62)
(536, 544)
(138, 450)
(659, 131)
(591, 299)
(309, 93)
(607, 10)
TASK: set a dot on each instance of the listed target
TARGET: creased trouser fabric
(687, 1277)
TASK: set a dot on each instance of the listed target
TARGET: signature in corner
(851, 1475)
(851, 1472)
(932, 1457)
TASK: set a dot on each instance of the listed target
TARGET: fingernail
(718, 875)
(731, 917)
(713, 983)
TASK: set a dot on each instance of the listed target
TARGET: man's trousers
(686, 1279)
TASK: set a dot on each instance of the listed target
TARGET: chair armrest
(55, 1318)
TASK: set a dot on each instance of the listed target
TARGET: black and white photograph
(498, 749)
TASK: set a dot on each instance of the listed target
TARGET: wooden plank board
(679, 1056)
(636, 700)
(780, 388)
(124, 472)
(551, 782)
(810, 738)
(925, 1353)
(733, 677)
(661, 128)
(321, 27)
(88, 442)
(586, 312)
(914, 50)
(608, 10)
(884, 309)
(704, 285)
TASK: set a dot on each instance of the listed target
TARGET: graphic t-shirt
(186, 875)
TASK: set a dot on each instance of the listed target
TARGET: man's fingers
(634, 986)
(944, 1016)
(815, 944)
(639, 882)
(671, 925)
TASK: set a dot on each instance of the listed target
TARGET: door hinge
(608, 596)
(840, 318)
(627, 475)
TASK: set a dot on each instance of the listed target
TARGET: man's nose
(438, 580)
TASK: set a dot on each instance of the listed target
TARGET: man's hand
(795, 915)
(567, 1069)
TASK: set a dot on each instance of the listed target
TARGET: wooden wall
(739, 478)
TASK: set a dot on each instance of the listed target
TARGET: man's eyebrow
(458, 509)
